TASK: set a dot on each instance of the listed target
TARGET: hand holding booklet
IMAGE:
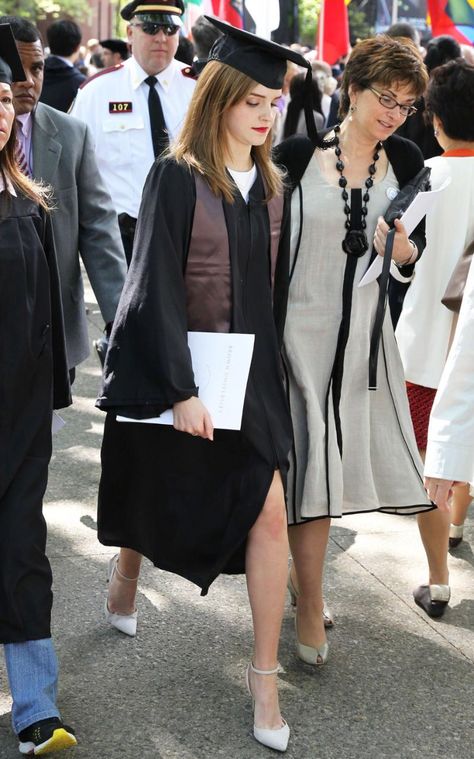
(422, 204)
(221, 364)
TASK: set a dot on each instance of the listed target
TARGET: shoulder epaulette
(108, 70)
(189, 72)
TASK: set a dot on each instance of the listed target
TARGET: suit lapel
(46, 149)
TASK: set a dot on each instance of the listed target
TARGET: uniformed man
(135, 108)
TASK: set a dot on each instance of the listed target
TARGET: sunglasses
(150, 27)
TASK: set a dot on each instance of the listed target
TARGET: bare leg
(308, 547)
(266, 567)
(434, 531)
(123, 586)
(460, 504)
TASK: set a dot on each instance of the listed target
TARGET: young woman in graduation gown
(211, 254)
(354, 448)
(33, 378)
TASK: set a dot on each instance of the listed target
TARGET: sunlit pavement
(396, 685)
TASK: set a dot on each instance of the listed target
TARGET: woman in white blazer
(425, 325)
(450, 451)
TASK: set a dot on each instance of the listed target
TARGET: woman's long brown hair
(201, 143)
(11, 171)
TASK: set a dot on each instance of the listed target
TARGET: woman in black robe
(209, 255)
(33, 377)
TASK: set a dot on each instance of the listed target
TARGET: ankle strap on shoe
(129, 579)
(440, 593)
(456, 530)
(265, 671)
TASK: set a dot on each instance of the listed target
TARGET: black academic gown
(184, 502)
(31, 336)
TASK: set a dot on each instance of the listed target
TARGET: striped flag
(453, 17)
(231, 11)
(195, 8)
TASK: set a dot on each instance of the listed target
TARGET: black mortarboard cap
(116, 45)
(159, 11)
(262, 60)
(11, 69)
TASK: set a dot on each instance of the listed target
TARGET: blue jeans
(32, 670)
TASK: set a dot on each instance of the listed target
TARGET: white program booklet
(419, 207)
(221, 365)
(57, 423)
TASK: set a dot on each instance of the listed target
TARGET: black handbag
(398, 206)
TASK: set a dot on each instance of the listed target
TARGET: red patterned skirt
(421, 401)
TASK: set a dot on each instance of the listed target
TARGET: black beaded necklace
(355, 242)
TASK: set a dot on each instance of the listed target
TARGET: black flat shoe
(455, 535)
(45, 737)
(433, 599)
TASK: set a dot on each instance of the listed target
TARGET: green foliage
(35, 10)
(358, 25)
(308, 13)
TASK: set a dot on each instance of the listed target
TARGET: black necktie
(159, 134)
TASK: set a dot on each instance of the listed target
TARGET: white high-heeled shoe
(327, 613)
(310, 654)
(276, 738)
(125, 623)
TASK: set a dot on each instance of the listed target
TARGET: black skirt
(185, 503)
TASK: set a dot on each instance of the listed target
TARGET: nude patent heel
(327, 614)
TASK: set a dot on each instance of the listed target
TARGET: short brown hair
(201, 143)
(383, 60)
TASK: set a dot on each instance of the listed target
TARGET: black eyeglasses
(149, 27)
(389, 102)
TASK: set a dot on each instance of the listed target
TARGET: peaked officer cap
(158, 11)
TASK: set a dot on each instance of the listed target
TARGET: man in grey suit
(57, 149)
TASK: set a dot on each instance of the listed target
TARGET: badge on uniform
(122, 107)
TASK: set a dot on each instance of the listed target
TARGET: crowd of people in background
(284, 168)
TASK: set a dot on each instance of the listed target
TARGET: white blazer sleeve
(450, 452)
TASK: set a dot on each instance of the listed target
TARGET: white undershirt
(244, 180)
(8, 187)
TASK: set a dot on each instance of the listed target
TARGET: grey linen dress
(380, 468)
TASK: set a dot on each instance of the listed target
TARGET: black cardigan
(406, 160)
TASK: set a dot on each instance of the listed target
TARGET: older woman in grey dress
(354, 449)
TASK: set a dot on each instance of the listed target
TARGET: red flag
(333, 30)
(453, 17)
(231, 11)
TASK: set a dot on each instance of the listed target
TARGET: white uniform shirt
(450, 451)
(114, 104)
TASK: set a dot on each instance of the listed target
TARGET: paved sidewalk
(397, 684)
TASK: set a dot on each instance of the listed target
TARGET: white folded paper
(57, 423)
(221, 365)
(423, 203)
